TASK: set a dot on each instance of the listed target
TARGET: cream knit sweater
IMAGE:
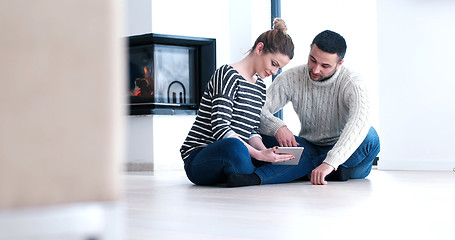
(335, 111)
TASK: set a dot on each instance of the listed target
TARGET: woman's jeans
(212, 164)
(359, 163)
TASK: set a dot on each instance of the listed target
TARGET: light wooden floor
(386, 205)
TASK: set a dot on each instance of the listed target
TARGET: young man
(332, 105)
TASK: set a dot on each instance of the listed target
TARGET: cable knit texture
(331, 112)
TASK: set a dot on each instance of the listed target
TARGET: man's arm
(352, 135)
(278, 95)
(356, 128)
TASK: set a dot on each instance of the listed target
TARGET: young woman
(223, 139)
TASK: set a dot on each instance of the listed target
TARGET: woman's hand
(270, 155)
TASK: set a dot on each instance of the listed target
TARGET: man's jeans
(359, 163)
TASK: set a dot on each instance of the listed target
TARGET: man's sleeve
(278, 95)
(355, 130)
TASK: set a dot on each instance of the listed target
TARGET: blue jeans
(359, 163)
(211, 165)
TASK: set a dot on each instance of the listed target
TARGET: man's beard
(310, 72)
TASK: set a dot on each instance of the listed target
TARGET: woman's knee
(233, 148)
(236, 156)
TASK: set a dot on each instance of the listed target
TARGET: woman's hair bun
(276, 40)
(279, 24)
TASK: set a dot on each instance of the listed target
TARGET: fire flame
(141, 89)
(145, 72)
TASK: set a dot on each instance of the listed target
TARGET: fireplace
(168, 74)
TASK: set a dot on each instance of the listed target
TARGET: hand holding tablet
(296, 151)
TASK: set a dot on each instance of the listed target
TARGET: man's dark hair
(331, 42)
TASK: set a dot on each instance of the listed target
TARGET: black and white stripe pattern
(229, 106)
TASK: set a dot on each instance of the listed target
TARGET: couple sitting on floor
(235, 136)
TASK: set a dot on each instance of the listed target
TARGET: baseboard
(139, 166)
(416, 165)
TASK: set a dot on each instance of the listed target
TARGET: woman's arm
(259, 152)
(256, 142)
(222, 89)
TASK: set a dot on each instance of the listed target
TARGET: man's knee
(373, 137)
(360, 172)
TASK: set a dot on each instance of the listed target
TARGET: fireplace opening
(168, 74)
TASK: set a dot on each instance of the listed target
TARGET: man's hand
(318, 174)
(285, 137)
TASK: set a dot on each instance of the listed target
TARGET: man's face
(322, 65)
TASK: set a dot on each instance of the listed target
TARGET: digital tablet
(296, 151)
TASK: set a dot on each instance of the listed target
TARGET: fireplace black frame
(204, 66)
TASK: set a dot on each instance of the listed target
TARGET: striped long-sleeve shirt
(229, 106)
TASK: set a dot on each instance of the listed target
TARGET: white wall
(235, 24)
(416, 84)
(355, 20)
(139, 19)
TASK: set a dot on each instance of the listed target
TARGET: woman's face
(270, 63)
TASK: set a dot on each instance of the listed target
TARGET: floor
(386, 205)
(165, 205)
